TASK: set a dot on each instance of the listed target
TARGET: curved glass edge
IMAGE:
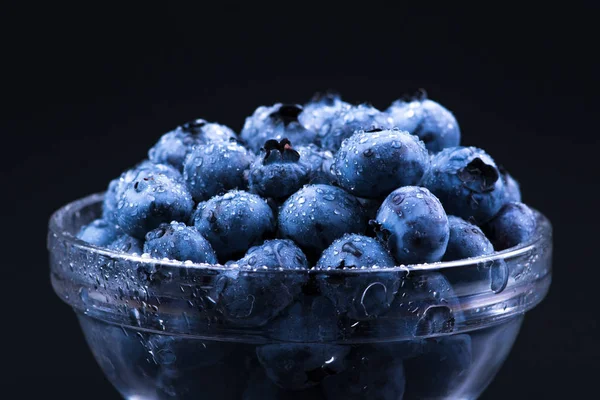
(58, 231)
(183, 299)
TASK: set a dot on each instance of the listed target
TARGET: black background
(87, 91)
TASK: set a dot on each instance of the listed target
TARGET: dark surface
(88, 94)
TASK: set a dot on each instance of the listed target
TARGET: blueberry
(250, 295)
(297, 366)
(467, 182)
(233, 222)
(151, 199)
(515, 223)
(98, 232)
(347, 121)
(176, 241)
(174, 146)
(318, 162)
(371, 374)
(430, 121)
(316, 215)
(277, 122)
(363, 295)
(116, 186)
(413, 224)
(214, 168)
(309, 319)
(277, 172)
(512, 187)
(127, 244)
(441, 370)
(320, 108)
(425, 304)
(373, 163)
(261, 387)
(466, 241)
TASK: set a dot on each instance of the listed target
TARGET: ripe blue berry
(214, 168)
(277, 172)
(176, 241)
(413, 224)
(371, 374)
(99, 232)
(467, 182)
(430, 121)
(310, 319)
(127, 244)
(318, 162)
(515, 223)
(174, 146)
(373, 163)
(116, 186)
(442, 368)
(234, 222)
(466, 240)
(362, 295)
(297, 366)
(425, 304)
(511, 186)
(347, 121)
(277, 122)
(253, 296)
(320, 108)
(149, 200)
(316, 215)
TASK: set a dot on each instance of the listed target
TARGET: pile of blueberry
(326, 186)
(333, 184)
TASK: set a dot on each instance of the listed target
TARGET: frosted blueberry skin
(176, 241)
(250, 298)
(149, 200)
(275, 254)
(466, 240)
(413, 224)
(277, 122)
(116, 186)
(370, 374)
(515, 223)
(277, 171)
(98, 232)
(346, 122)
(425, 304)
(214, 168)
(298, 366)
(511, 186)
(316, 215)
(467, 182)
(318, 162)
(443, 366)
(127, 244)
(430, 121)
(174, 146)
(373, 163)
(320, 108)
(364, 296)
(233, 222)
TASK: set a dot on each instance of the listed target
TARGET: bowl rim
(543, 234)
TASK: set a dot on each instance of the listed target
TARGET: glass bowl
(164, 329)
